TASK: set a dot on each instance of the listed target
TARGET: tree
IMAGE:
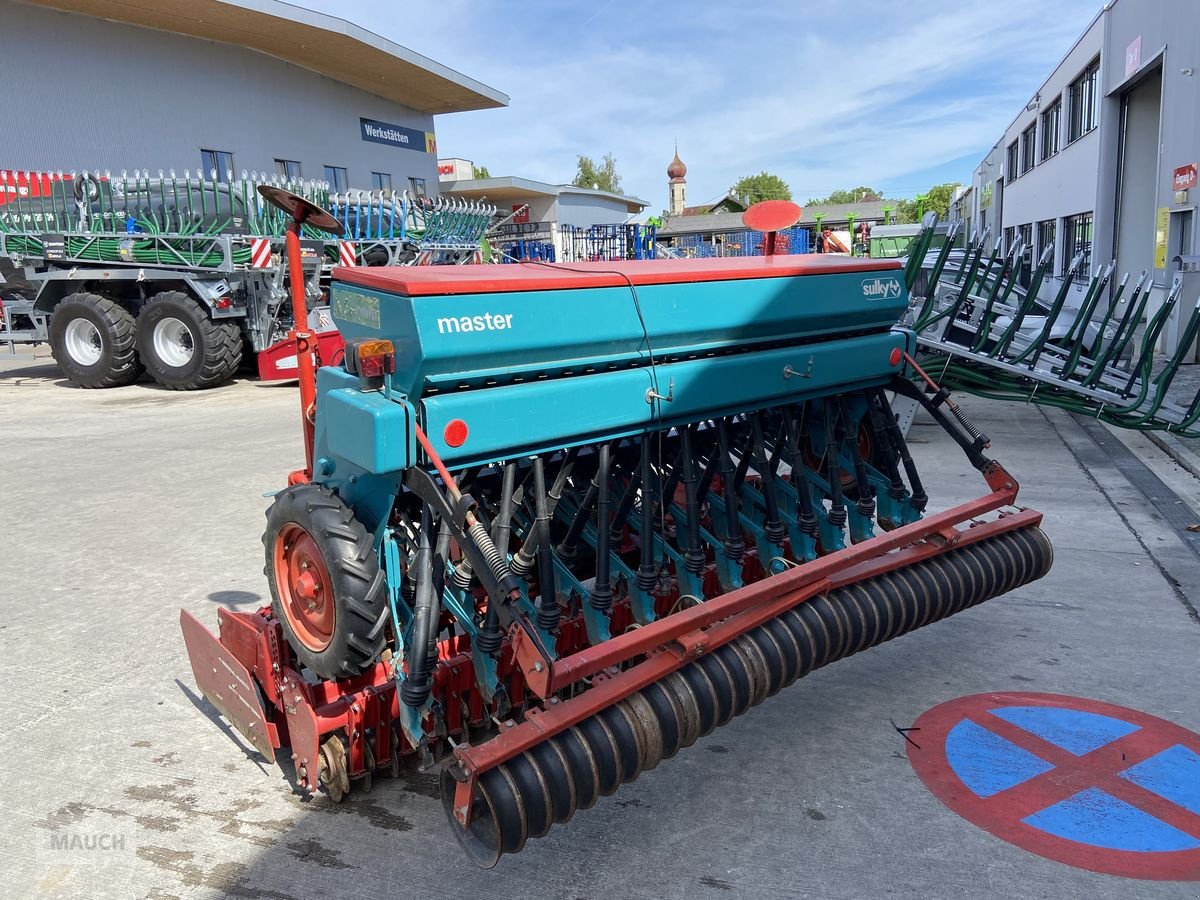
(479, 171)
(603, 177)
(762, 186)
(937, 199)
(854, 195)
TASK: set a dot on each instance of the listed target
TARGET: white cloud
(825, 97)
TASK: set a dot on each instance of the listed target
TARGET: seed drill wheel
(326, 587)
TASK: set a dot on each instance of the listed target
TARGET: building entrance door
(1137, 176)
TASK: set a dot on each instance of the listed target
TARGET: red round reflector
(455, 434)
(895, 357)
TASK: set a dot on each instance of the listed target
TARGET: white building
(1102, 159)
(538, 211)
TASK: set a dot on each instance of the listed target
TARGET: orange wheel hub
(304, 587)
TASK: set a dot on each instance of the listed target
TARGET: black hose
(919, 498)
(601, 596)
(886, 452)
(734, 545)
(441, 553)
(866, 494)
(624, 507)
(693, 555)
(568, 548)
(806, 517)
(647, 573)
(772, 526)
(833, 471)
(548, 613)
(417, 685)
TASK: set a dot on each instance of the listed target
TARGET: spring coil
(496, 561)
(523, 797)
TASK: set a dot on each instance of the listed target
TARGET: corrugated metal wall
(82, 93)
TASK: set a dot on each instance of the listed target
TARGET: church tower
(677, 184)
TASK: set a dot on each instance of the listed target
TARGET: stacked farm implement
(174, 274)
(559, 522)
(1086, 343)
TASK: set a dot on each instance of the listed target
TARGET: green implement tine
(986, 318)
(1077, 340)
(935, 274)
(964, 293)
(1035, 346)
(1027, 304)
(1153, 330)
(918, 249)
(1126, 329)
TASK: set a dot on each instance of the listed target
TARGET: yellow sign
(1160, 237)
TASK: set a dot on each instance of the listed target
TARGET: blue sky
(897, 95)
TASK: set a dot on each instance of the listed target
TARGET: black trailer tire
(327, 590)
(93, 341)
(182, 347)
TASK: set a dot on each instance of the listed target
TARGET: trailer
(182, 277)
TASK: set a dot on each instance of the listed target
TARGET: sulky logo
(881, 288)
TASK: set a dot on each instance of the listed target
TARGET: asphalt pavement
(119, 507)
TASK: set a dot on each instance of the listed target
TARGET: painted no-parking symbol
(1085, 783)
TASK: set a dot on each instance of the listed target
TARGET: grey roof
(510, 186)
(835, 213)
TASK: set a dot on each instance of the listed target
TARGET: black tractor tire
(93, 341)
(338, 630)
(182, 347)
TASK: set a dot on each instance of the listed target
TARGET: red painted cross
(1099, 768)
(1002, 813)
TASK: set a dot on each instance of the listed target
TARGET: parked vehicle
(182, 277)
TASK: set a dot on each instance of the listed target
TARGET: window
(336, 176)
(1026, 235)
(1077, 235)
(381, 181)
(220, 161)
(1084, 97)
(1050, 117)
(1045, 235)
(1028, 147)
(1025, 261)
(1011, 167)
(1010, 236)
(418, 186)
(288, 169)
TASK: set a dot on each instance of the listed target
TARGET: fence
(740, 243)
(608, 242)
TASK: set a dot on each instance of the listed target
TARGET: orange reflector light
(895, 357)
(455, 433)
(370, 360)
(376, 358)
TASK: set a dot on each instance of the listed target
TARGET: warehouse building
(210, 85)
(550, 221)
(1102, 160)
